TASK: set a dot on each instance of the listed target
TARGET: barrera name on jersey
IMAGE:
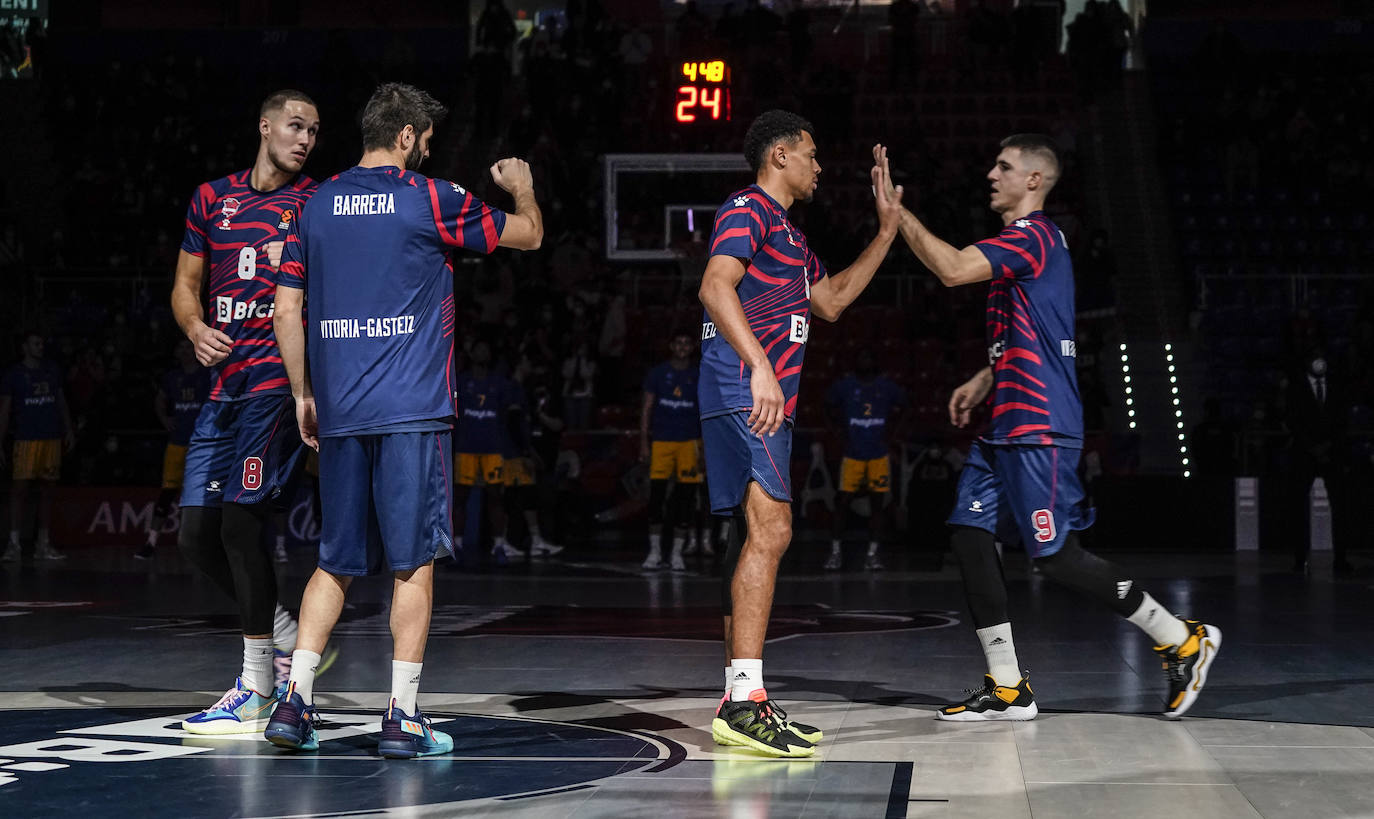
(379, 294)
(232, 224)
(775, 294)
(1030, 336)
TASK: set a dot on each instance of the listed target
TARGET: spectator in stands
(1317, 414)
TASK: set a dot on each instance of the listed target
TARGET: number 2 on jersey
(248, 263)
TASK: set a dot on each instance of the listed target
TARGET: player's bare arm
(645, 412)
(524, 229)
(968, 395)
(211, 345)
(831, 295)
(950, 265)
(719, 296)
(290, 333)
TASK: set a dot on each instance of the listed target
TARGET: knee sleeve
(984, 585)
(1099, 579)
(658, 494)
(255, 578)
(199, 540)
(734, 543)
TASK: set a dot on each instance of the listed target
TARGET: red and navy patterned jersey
(232, 223)
(1030, 335)
(373, 254)
(775, 293)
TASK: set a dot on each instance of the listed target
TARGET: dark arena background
(1216, 161)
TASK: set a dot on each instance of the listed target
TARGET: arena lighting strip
(1178, 410)
(1126, 378)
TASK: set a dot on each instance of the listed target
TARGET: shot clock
(703, 92)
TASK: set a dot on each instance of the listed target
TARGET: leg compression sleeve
(1099, 579)
(200, 543)
(255, 578)
(984, 585)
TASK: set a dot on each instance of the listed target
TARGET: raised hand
(512, 175)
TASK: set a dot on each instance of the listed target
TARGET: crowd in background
(581, 330)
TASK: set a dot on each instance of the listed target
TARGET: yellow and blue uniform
(482, 436)
(674, 424)
(185, 393)
(34, 394)
(867, 408)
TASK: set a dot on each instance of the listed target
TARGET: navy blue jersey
(185, 392)
(372, 253)
(675, 415)
(484, 404)
(866, 408)
(1030, 336)
(775, 293)
(231, 223)
(34, 394)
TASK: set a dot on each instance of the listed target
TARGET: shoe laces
(227, 698)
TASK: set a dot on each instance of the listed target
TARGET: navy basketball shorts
(245, 452)
(385, 496)
(1030, 494)
(735, 456)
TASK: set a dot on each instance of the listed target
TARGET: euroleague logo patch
(286, 217)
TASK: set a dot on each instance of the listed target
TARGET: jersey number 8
(252, 474)
(248, 263)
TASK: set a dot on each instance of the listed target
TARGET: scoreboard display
(703, 92)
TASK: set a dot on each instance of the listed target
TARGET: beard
(415, 157)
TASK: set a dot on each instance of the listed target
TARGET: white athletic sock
(152, 537)
(532, 523)
(257, 664)
(1155, 620)
(405, 685)
(747, 679)
(872, 547)
(834, 547)
(283, 631)
(303, 666)
(729, 679)
(655, 544)
(281, 541)
(1000, 652)
(678, 543)
(14, 536)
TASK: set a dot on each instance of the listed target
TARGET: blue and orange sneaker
(240, 711)
(293, 723)
(406, 737)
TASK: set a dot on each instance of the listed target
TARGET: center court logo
(91, 755)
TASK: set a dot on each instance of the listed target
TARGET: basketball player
(760, 287)
(864, 402)
(670, 440)
(372, 254)
(1021, 478)
(180, 395)
(243, 451)
(42, 430)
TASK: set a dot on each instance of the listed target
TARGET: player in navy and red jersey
(864, 403)
(243, 451)
(180, 395)
(760, 287)
(372, 257)
(1021, 478)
